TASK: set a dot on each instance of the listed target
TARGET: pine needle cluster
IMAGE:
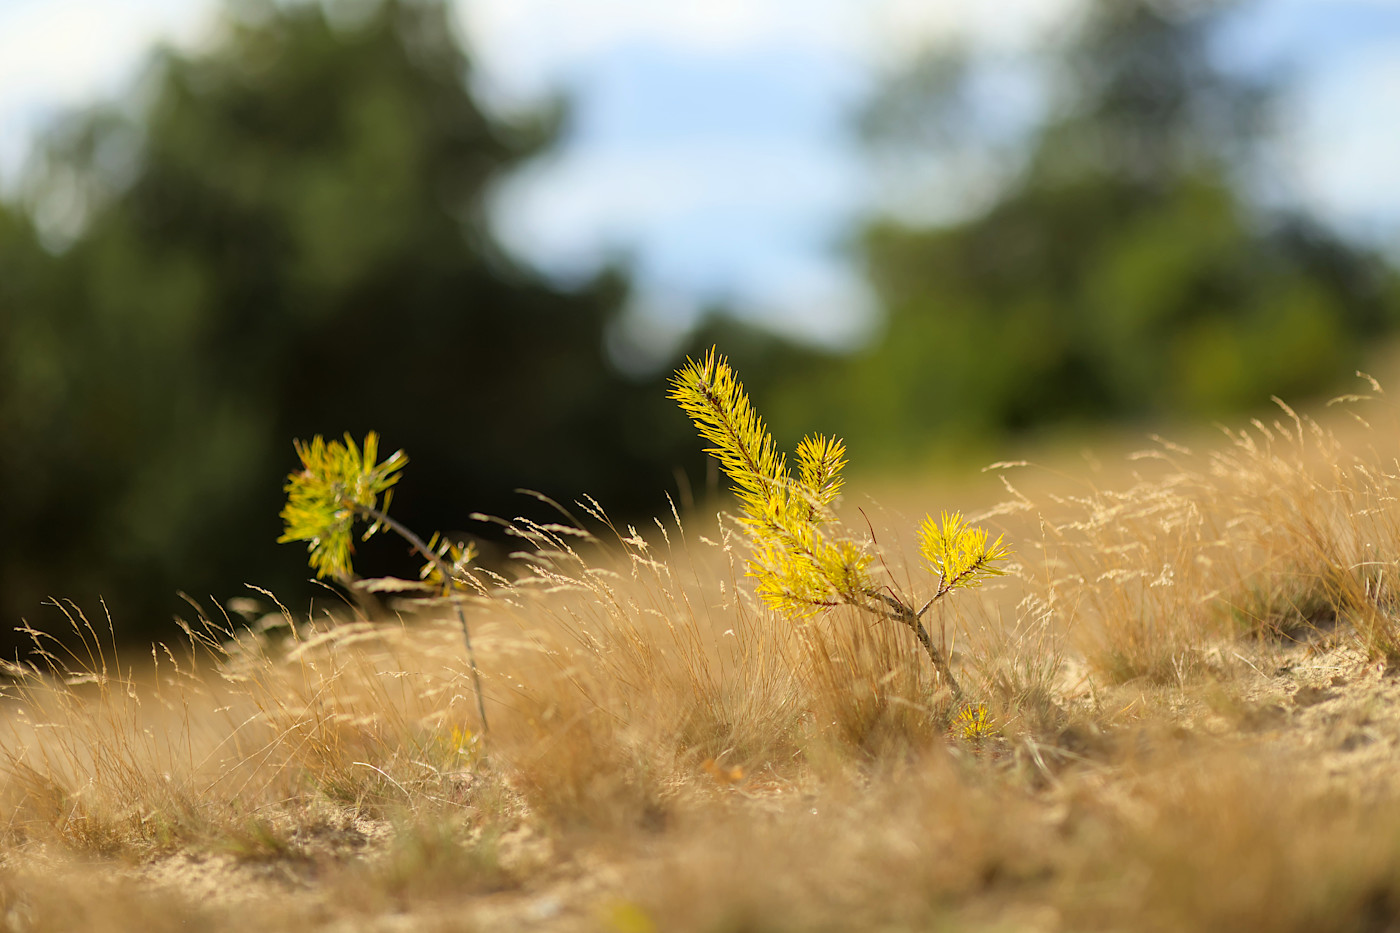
(959, 553)
(802, 561)
(338, 484)
(800, 570)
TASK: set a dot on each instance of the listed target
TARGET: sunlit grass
(1179, 681)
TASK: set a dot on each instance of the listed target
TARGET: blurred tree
(289, 237)
(1120, 268)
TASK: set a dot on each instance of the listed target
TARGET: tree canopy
(1122, 269)
(288, 236)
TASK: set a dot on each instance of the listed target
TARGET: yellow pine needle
(799, 570)
(974, 723)
(336, 483)
(710, 393)
(819, 463)
(959, 553)
(449, 553)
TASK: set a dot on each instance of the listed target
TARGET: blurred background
(489, 229)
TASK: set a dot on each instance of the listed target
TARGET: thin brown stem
(900, 612)
(445, 569)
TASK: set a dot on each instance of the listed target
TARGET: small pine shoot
(800, 571)
(974, 723)
(959, 553)
(337, 485)
(801, 562)
(819, 462)
(710, 393)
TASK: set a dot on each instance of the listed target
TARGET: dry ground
(1192, 723)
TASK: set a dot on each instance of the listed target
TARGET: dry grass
(1185, 683)
(1282, 531)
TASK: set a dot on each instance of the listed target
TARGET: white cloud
(667, 205)
(67, 49)
(525, 49)
(1346, 143)
(569, 30)
(724, 221)
(528, 47)
(664, 201)
(591, 195)
(63, 53)
(1005, 26)
(815, 298)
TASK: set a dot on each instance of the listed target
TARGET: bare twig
(445, 569)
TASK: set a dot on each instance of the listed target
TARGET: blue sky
(709, 142)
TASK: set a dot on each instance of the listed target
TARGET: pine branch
(801, 571)
(713, 397)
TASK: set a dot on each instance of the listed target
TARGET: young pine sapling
(339, 485)
(802, 562)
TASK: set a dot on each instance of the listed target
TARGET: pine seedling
(974, 723)
(801, 560)
(338, 485)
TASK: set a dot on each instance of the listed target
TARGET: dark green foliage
(288, 238)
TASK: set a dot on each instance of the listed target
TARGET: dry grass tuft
(1283, 533)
